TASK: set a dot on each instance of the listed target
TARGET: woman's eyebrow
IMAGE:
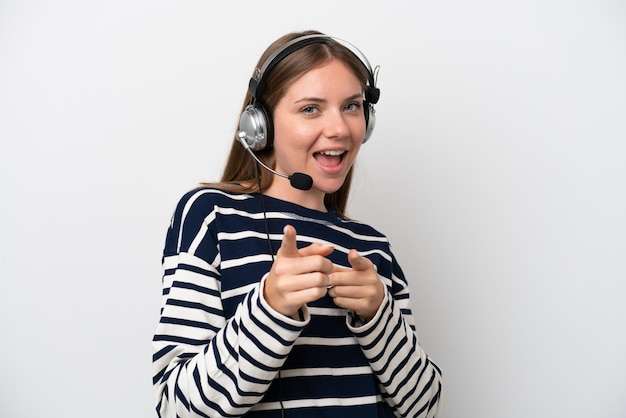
(320, 100)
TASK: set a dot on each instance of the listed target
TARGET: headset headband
(256, 86)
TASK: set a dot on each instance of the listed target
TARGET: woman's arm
(202, 369)
(411, 382)
(204, 363)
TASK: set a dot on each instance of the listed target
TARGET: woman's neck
(311, 199)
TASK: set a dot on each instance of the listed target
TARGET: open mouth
(330, 158)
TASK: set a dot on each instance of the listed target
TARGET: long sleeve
(205, 364)
(410, 381)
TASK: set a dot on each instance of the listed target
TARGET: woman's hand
(358, 289)
(297, 276)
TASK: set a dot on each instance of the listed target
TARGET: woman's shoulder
(361, 227)
(201, 203)
(210, 196)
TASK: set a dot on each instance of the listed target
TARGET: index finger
(288, 245)
(359, 262)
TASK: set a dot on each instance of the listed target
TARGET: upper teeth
(332, 152)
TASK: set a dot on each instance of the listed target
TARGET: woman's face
(318, 129)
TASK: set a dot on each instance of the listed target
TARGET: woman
(275, 303)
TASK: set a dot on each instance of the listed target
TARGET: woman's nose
(336, 125)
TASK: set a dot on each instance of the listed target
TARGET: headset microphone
(298, 181)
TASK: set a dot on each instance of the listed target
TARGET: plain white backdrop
(497, 169)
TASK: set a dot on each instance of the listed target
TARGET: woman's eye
(308, 109)
(353, 106)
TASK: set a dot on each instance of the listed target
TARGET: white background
(497, 169)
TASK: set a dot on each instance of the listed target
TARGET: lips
(330, 158)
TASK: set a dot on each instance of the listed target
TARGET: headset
(256, 131)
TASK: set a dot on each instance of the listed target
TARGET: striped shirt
(221, 351)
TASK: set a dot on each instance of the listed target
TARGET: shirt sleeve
(409, 380)
(205, 364)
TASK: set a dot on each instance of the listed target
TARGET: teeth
(332, 152)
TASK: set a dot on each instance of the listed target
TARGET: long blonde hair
(241, 173)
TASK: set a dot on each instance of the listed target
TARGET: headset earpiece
(255, 123)
(255, 127)
(370, 120)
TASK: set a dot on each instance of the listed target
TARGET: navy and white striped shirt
(221, 351)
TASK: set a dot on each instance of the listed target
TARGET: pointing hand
(358, 289)
(298, 276)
